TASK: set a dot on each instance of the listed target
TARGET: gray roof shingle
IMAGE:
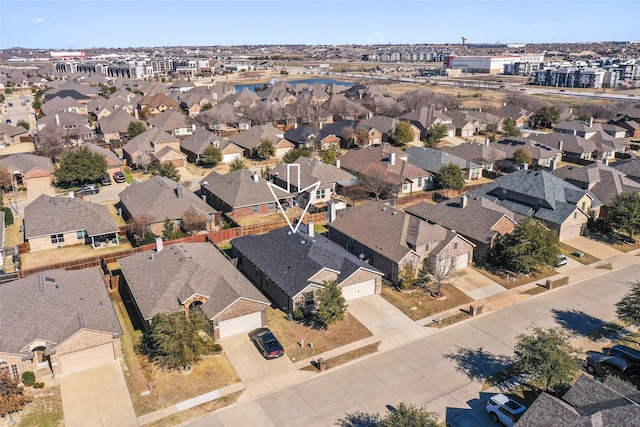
(238, 188)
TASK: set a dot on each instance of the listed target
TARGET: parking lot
(20, 109)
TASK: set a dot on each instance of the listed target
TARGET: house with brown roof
(174, 122)
(10, 134)
(121, 100)
(178, 277)
(67, 104)
(346, 131)
(194, 146)
(251, 138)
(477, 219)
(578, 147)
(243, 193)
(485, 155)
(398, 240)
(392, 163)
(115, 126)
(433, 160)
(114, 163)
(151, 105)
(159, 198)
(69, 126)
(57, 222)
(153, 145)
(70, 323)
(28, 170)
(387, 127)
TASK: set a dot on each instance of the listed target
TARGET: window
(584, 206)
(575, 215)
(320, 194)
(455, 245)
(57, 238)
(14, 371)
(255, 208)
(405, 187)
(308, 299)
(271, 206)
(420, 182)
(81, 234)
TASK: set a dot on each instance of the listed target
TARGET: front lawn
(291, 333)
(167, 387)
(510, 282)
(572, 252)
(420, 304)
(44, 410)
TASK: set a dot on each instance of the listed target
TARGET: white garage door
(228, 158)
(359, 290)
(571, 232)
(85, 359)
(245, 323)
(462, 261)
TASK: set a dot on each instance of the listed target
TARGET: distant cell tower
(464, 42)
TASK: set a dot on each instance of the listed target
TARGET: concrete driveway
(97, 397)
(476, 285)
(259, 375)
(592, 247)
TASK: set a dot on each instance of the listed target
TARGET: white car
(504, 410)
(562, 260)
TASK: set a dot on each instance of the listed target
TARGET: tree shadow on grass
(583, 324)
(478, 363)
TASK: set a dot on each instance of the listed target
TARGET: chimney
(560, 145)
(605, 160)
(255, 177)
(159, 244)
(590, 122)
(57, 120)
(338, 163)
(392, 158)
(312, 231)
(179, 191)
(463, 201)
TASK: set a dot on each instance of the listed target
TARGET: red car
(119, 177)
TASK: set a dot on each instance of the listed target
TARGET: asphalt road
(442, 371)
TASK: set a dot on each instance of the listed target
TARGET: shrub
(28, 378)
(38, 385)
(8, 215)
(298, 314)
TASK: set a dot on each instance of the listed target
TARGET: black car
(267, 343)
(600, 364)
(625, 352)
(119, 177)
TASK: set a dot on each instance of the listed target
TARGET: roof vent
(394, 212)
(303, 242)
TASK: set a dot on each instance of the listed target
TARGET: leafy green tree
(211, 156)
(176, 343)
(628, 308)
(292, 155)
(332, 306)
(8, 215)
(548, 357)
(544, 118)
(264, 150)
(206, 107)
(24, 124)
(509, 127)
(436, 134)
(451, 177)
(36, 104)
(624, 213)
(2, 98)
(403, 133)
(168, 229)
(80, 166)
(529, 247)
(521, 156)
(166, 169)
(404, 415)
(135, 128)
(12, 398)
(237, 164)
(330, 155)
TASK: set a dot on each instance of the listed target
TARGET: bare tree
(138, 225)
(49, 143)
(376, 179)
(359, 136)
(443, 266)
(193, 221)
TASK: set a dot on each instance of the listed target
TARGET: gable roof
(161, 281)
(536, 150)
(48, 215)
(252, 137)
(61, 303)
(144, 142)
(283, 257)
(11, 130)
(157, 100)
(116, 122)
(312, 171)
(477, 153)
(111, 157)
(23, 163)
(357, 160)
(201, 139)
(160, 198)
(238, 188)
(170, 119)
(432, 160)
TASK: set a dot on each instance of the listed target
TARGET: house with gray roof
(28, 170)
(114, 163)
(398, 241)
(432, 160)
(485, 155)
(252, 137)
(387, 127)
(66, 104)
(478, 219)
(194, 145)
(346, 130)
(56, 222)
(559, 205)
(292, 267)
(243, 193)
(542, 155)
(149, 203)
(631, 168)
(178, 277)
(69, 323)
(10, 134)
(588, 402)
(174, 122)
(577, 147)
(153, 145)
(115, 126)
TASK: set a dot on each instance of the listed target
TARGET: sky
(82, 24)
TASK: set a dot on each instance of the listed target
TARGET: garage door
(571, 232)
(228, 158)
(359, 290)
(462, 261)
(85, 359)
(241, 324)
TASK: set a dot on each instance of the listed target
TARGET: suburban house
(629, 120)
(115, 126)
(252, 137)
(242, 193)
(485, 155)
(223, 118)
(291, 267)
(588, 130)
(631, 168)
(399, 241)
(28, 170)
(561, 206)
(194, 145)
(424, 118)
(121, 100)
(541, 154)
(577, 147)
(306, 136)
(159, 198)
(68, 325)
(329, 177)
(432, 160)
(10, 134)
(387, 127)
(153, 145)
(66, 104)
(56, 222)
(346, 130)
(611, 402)
(477, 219)
(68, 126)
(390, 163)
(174, 122)
(178, 277)
(151, 105)
(518, 114)
(114, 163)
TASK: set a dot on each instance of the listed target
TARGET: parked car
(562, 260)
(625, 352)
(504, 410)
(88, 190)
(267, 343)
(119, 177)
(600, 364)
(106, 180)
(8, 121)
